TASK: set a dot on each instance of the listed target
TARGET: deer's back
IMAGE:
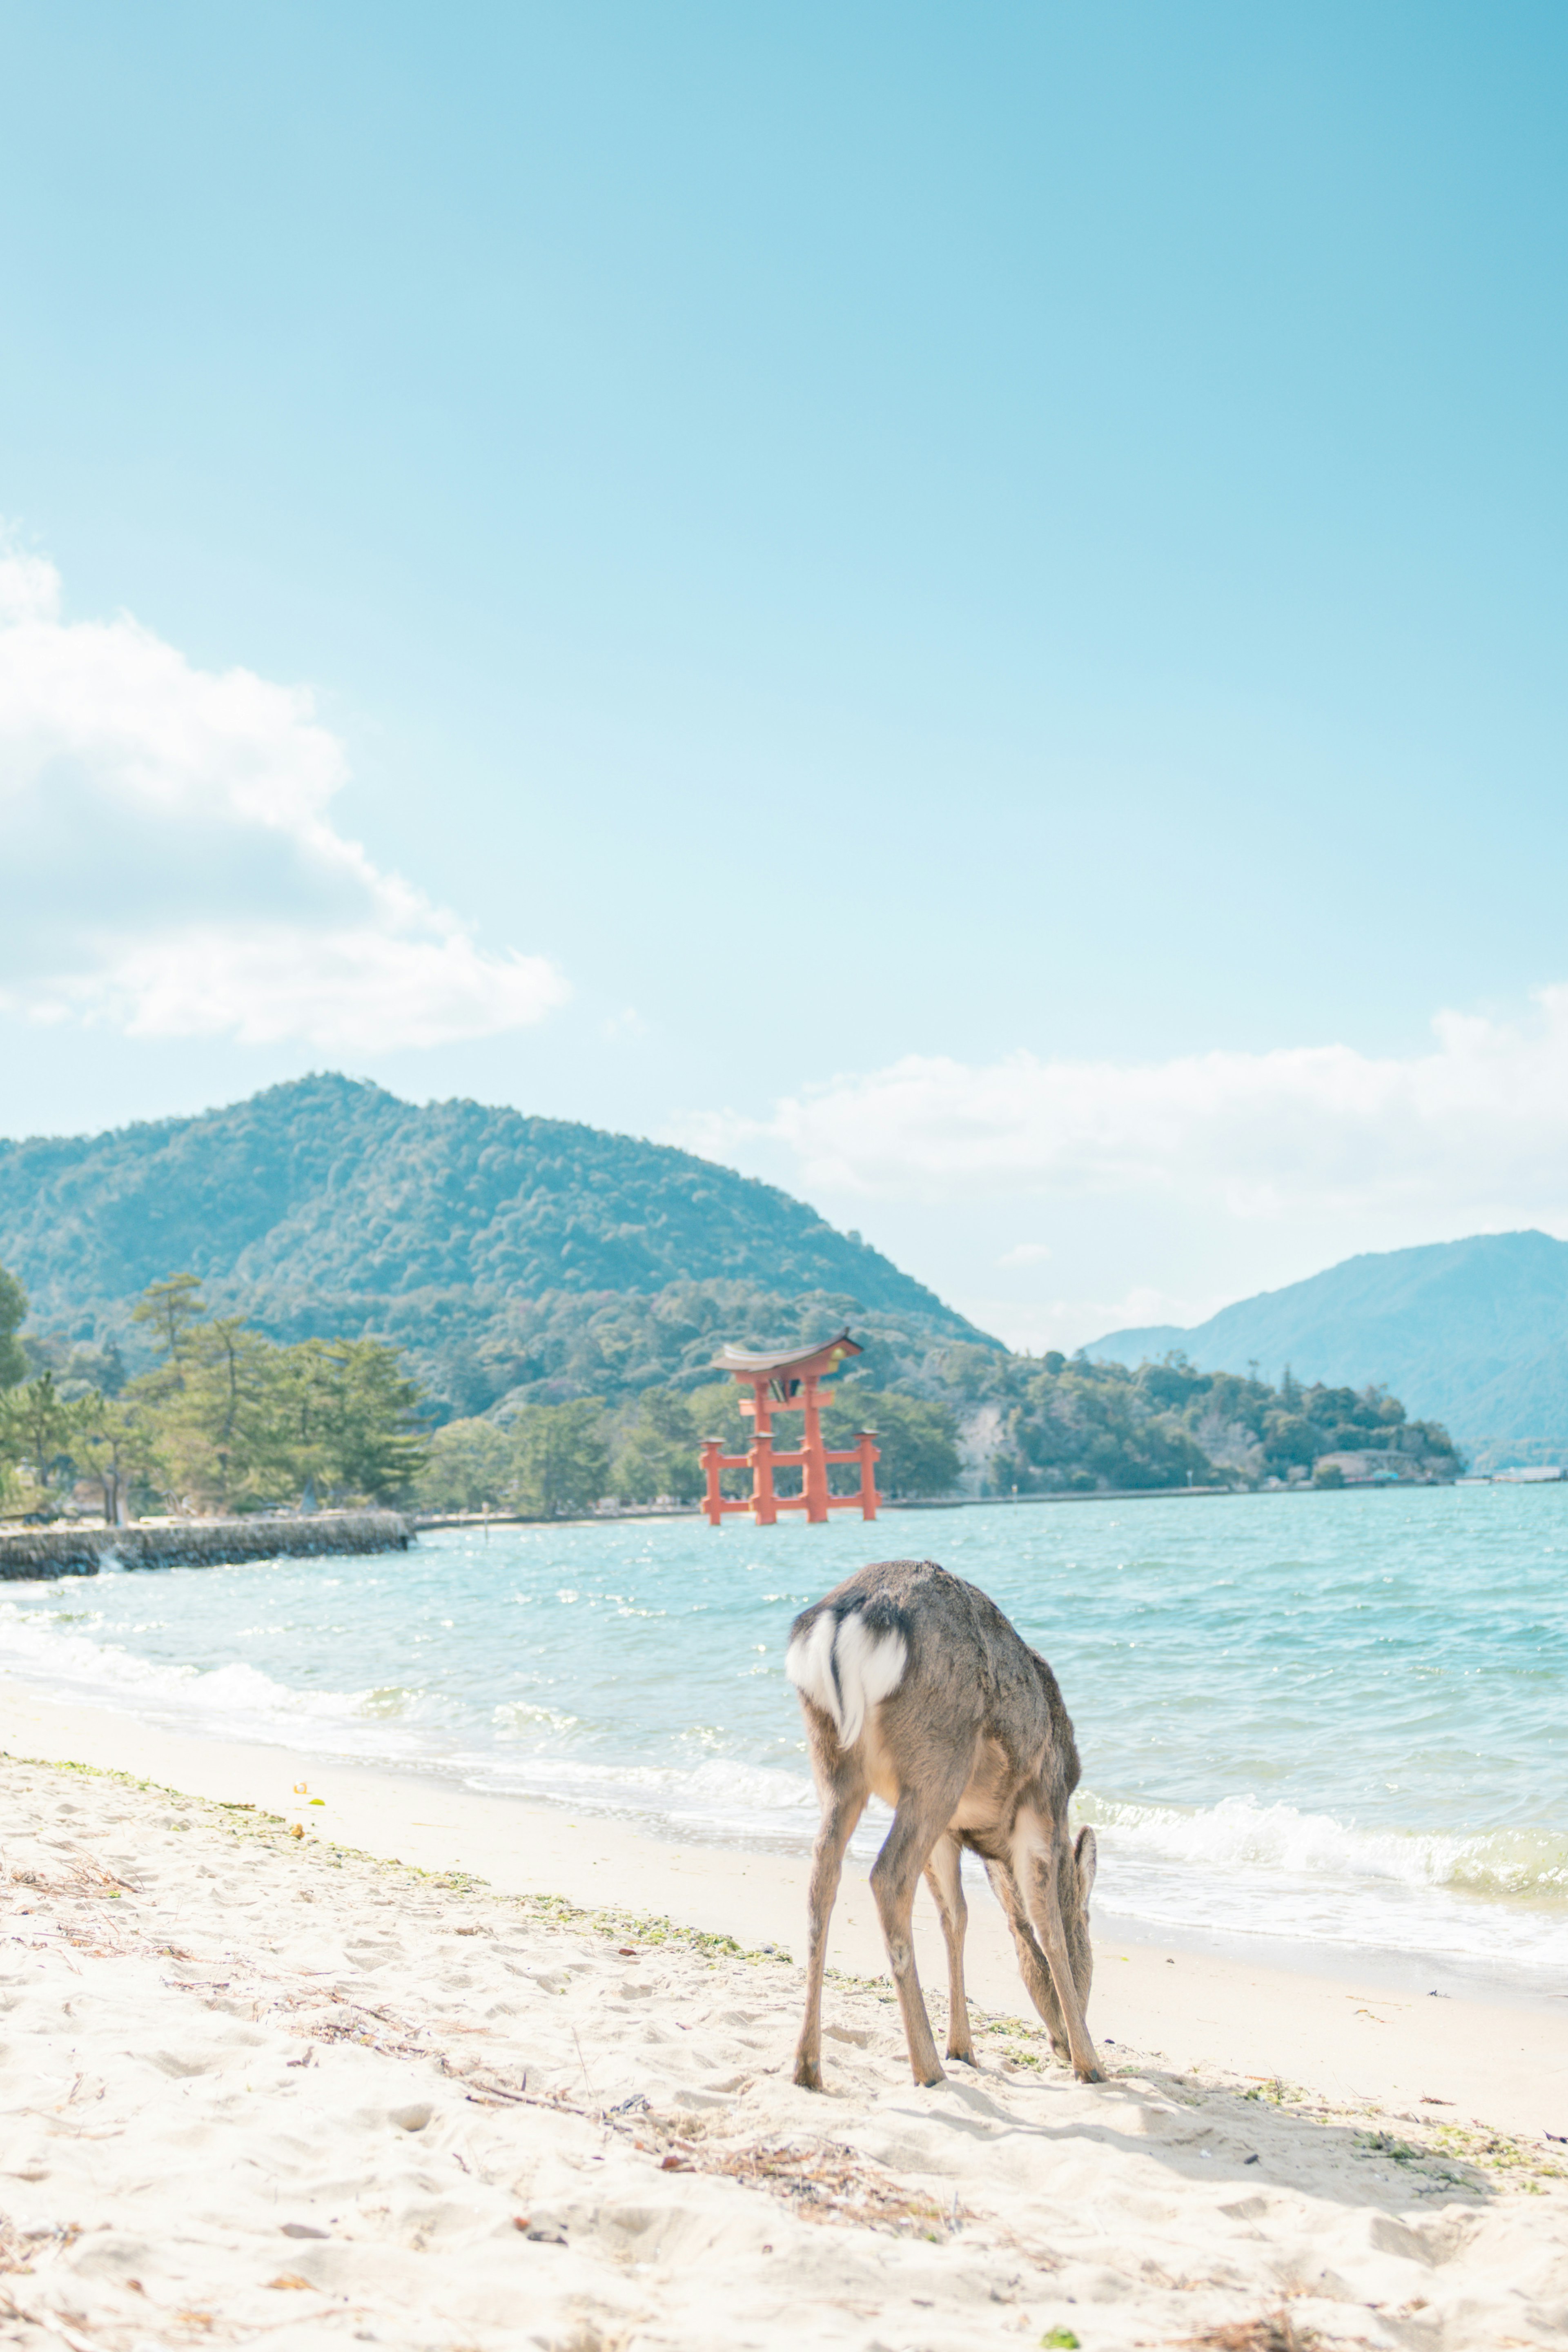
(967, 1677)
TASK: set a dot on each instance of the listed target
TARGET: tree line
(1072, 1424)
(225, 1420)
(547, 1459)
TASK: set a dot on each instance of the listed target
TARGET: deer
(917, 1689)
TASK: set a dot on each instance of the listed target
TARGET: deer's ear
(1087, 1854)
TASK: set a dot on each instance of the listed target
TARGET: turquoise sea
(1336, 1720)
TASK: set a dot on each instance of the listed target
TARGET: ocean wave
(749, 1795)
(518, 1719)
(1241, 1834)
(76, 1664)
(612, 1742)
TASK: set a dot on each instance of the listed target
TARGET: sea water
(1334, 1718)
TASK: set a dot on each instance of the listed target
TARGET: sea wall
(198, 1543)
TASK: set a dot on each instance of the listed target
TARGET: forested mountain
(504, 1253)
(1472, 1333)
(522, 1263)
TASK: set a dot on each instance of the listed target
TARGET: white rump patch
(808, 1662)
(870, 1667)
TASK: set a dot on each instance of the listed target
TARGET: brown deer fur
(915, 1688)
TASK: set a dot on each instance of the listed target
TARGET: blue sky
(963, 607)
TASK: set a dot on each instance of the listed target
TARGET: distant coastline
(1469, 1333)
(80, 1546)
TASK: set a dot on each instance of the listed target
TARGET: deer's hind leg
(843, 1795)
(944, 1877)
(922, 1818)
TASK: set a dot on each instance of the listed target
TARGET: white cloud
(1026, 1254)
(173, 869)
(1472, 1132)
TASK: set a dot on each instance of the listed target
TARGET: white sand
(253, 2087)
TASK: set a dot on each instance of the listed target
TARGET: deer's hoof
(808, 2074)
(1089, 2075)
(961, 2057)
(929, 2082)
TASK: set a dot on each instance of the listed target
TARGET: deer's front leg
(1032, 1965)
(1042, 1859)
(843, 1803)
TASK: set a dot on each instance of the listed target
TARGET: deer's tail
(845, 1666)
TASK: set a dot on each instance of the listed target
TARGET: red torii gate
(788, 1383)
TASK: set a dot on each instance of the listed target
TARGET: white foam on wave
(720, 1799)
(1241, 1833)
(226, 1698)
(1246, 1868)
(1242, 1865)
(521, 1718)
(723, 1796)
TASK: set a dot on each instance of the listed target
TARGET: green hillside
(506, 1253)
(523, 1263)
(1471, 1333)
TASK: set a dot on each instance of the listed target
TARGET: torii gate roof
(790, 1363)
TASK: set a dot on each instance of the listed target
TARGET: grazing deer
(916, 1688)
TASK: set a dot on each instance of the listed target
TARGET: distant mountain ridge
(329, 1203)
(1471, 1333)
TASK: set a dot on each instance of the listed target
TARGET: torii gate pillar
(788, 1383)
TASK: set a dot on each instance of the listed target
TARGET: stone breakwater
(29, 1552)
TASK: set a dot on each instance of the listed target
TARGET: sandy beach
(330, 2089)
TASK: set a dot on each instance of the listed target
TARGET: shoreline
(1353, 2025)
(75, 1547)
(1483, 1962)
(422, 1522)
(412, 2068)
